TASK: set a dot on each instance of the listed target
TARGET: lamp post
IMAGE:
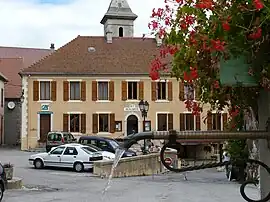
(144, 108)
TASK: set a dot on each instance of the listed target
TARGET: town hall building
(93, 85)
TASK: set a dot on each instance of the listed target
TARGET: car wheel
(78, 167)
(1, 191)
(38, 163)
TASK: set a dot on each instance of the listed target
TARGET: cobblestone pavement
(67, 186)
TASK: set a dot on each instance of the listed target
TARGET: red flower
(217, 45)
(256, 35)
(154, 75)
(191, 75)
(258, 4)
(216, 84)
(226, 26)
(208, 4)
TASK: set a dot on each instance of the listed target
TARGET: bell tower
(119, 20)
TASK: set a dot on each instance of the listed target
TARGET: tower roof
(119, 9)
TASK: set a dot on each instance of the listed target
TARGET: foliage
(198, 34)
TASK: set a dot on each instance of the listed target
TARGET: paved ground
(67, 186)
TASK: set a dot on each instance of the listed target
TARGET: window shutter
(94, 90)
(170, 121)
(66, 90)
(154, 91)
(111, 91)
(65, 122)
(170, 91)
(53, 90)
(197, 93)
(225, 119)
(95, 123)
(198, 122)
(209, 121)
(141, 90)
(83, 91)
(181, 91)
(124, 90)
(182, 121)
(112, 123)
(83, 123)
(35, 90)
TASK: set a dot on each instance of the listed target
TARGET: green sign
(44, 107)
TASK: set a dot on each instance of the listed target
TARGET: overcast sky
(38, 23)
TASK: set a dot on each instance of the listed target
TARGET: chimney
(109, 36)
(158, 40)
(52, 46)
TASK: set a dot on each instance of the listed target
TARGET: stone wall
(132, 166)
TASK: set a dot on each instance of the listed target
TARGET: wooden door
(45, 126)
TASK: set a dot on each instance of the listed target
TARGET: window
(45, 90)
(71, 151)
(161, 90)
(54, 137)
(189, 121)
(90, 150)
(2, 97)
(75, 90)
(103, 90)
(103, 145)
(103, 123)
(58, 151)
(216, 120)
(189, 92)
(162, 122)
(132, 90)
(121, 32)
(74, 123)
(68, 137)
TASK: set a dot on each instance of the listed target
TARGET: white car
(76, 156)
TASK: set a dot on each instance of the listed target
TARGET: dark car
(3, 182)
(105, 144)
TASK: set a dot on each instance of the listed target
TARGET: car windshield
(89, 150)
(114, 144)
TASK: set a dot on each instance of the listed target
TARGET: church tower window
(121, 32)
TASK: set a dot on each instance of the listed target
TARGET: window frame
(69, 122)
(167, 120)
(137, 90)
(194, 121)
(166, 90)
(186, 93)
(50, 90)
(108, 95)
(80, 95)
(214, 114)
(56, 149)
(108, 123)
(74, 149)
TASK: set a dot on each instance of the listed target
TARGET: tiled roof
(29, 55)
(13, 60)
(122, 56)
(10, 68)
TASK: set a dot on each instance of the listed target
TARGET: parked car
(55, 139)
(76, 156)
(3, 182)
(105, 144)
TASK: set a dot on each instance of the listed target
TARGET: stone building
(92, 85)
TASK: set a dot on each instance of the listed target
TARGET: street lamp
(144, 107)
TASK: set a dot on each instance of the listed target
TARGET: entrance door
(132, 124)
(45, 126)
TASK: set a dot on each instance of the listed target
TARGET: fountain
(172, 137)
